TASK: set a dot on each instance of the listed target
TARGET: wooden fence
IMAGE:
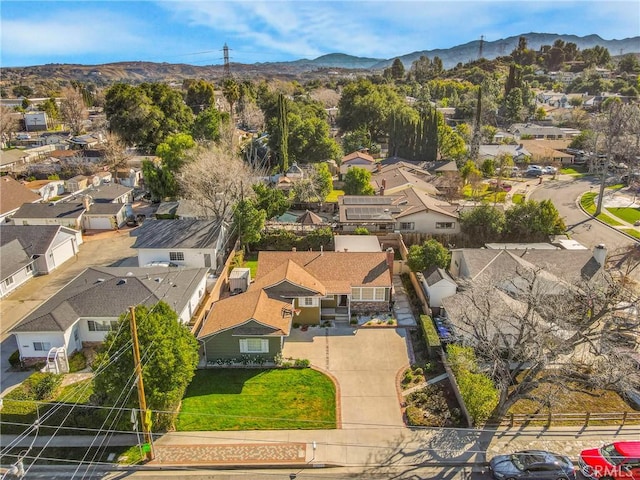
(574, 419)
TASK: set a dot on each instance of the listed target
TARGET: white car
(549, 170)
(23, 136)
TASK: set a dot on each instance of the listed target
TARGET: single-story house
(411, 210)
(111, 193)
(13, 195)
(299, 287)
(180, 209)
(548, 151)
(33, 250)
(356, 159)
(82, 313)
(536, 131)
(64, 214)
(129, 177)
(13, 160)
(394, 178)
(518, 152)
(188, 243)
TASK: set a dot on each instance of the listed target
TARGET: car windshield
(611, 455)
(523, 459)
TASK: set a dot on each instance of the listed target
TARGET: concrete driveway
(365, 362)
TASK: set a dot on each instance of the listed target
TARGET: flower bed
(377, 320)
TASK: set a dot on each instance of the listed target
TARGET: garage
(104, 216)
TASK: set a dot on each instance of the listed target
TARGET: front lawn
(628, 214)
(254, 399)
(588, 203)
(633, 232)
(251, 262)
(518, 198)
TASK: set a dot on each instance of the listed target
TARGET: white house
(437, 284)
(187, 243)
(47, 189)
(64, 214)
(33, 250)
(81, 314)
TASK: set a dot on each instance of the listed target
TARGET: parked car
(614, 461)
(549, 170)
(23, 136)
(537, 464)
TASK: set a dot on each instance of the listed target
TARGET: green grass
(77, 362)
(333, 196)
(518, 198)
(66, 455)
(631, 231)
(617, 186)
(578, 171)
(251, 262)
(628, 214)
(254, 399)
(588, 203)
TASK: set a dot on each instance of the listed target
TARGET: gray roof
(434, 274)
(107, 292)
(50, 210)
(105, 208)
(35, 239)
(14, 258)
(107, 193)
(186, 233)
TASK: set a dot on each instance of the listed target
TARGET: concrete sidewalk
(359, 447)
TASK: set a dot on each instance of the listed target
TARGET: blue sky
(95, 32)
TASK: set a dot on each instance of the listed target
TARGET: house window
(42, 346)
(8, 281)
(254, 345)
(379, 294)
(30, 268)
(407, 226)
(101, 325)
(443, 225)
(308, 302)
(176, 256)
(368, 294)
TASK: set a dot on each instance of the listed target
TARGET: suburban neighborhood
(413, 270)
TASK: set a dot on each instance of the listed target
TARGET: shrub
(301, 363)
(43, 385)
(430, 334)
(77, 362)
(408, 377)
(478, 392)
(296, 325)
(417, 370)
(14, 359)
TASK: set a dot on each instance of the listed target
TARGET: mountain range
(137, 71)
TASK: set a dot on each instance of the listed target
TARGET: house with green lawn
(304, 288)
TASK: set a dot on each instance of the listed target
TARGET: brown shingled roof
(241, 309)
(13, 194)
(289, 270)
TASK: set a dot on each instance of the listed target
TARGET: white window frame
(407, 225)
(8, 281)
(30, 268)
(42, 346)
(372, 294)
(445, 225)
(308, 302)
(101, 325)
(245, 347)
(176, 256)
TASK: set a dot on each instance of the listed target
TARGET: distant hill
(469, 51)
(324, 65)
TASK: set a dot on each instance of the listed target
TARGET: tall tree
(270, 200)
(397, 69)
(174, 149)
(430, 254)
(283, 141)
(482, 224)
(200, 96)
(231, 92)
(169, 354)
(248, 222)
(206, 125)
(73, 110)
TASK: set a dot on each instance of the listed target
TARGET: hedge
(431, 337)
(478, 392)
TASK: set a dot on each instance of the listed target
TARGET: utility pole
(146, 422)
(480, 47)
(227, 66)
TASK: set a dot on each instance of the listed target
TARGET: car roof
(628, 449)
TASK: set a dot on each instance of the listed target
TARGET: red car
(615, 461)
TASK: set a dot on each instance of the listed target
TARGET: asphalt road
(581, 227)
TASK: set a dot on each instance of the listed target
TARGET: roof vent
(100, 280)
(129, 274)
(158, 279)
(122, 281)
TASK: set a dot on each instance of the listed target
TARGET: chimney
(600, 254)
(86, 202)
(390, 255)
(383, 187)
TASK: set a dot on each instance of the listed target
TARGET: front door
(343, 301)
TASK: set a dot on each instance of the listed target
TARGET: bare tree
(8, 123)
(115, 152)
(216, 179)
(532, 329)
(73, 110)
